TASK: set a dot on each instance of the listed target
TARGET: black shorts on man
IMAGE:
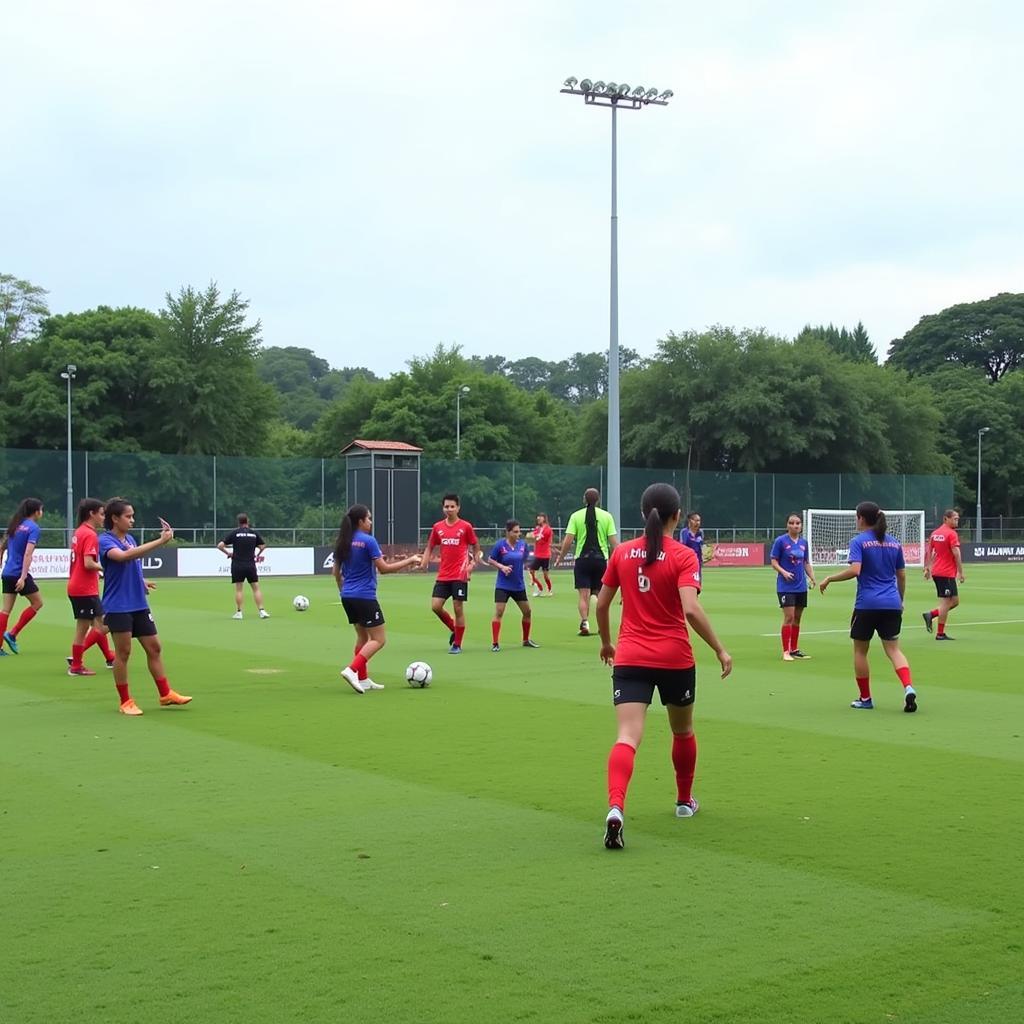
(244, 573)
(458, 590)
(636, 685)
(945, 586)
(588, 572)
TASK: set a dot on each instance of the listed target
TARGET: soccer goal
(830, 530)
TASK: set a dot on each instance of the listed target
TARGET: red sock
(794, 639)
(162, 686)
(103, 645)
(4, 618)
(358, 665)
(495, 630)
(942, 628)
(934, 613)
(460, 632)
(620, 771)
(684, 760)
(77, 650)
(122, 692)
(864, 685)
(26, 617)
(533, 579)
(527, 623)
(90, 639)
(904, 675)
(787, 632)
(449, 622)
(362, 673)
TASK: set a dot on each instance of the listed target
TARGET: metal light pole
(69, 376)
(977, 529)
(616, 96)
(464, 390)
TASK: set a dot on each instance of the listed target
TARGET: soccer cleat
(927, 616)
(787, 656)
(687, 809)
(3, 654)
(172, 699)
(264, 614)
(80, 671)
(454, 649)
(495, 648)
(584, 628)
(451, 639)
(909, 700)
(11, 642)
(862, 704)
(939, 636)
(110, 663)
(536, 592)
(369, 684)
(237, 615)
(352, 678)
(530, 643)
(130, 708)
(613, 839)
(69, 660)
(799, 655)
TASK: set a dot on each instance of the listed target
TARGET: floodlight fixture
(652, 94)
(638, 92)
(623, 89)
(599, 86)
(667, 94)
(586, 85)
(570, 82)
(613, 89)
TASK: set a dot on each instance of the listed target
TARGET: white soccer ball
(301, 603)
(419, 674)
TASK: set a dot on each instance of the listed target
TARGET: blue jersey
(694, 541)
(124, 589)
(27, 533)
(791, 556)
(358, 572)
(879, 561)
(515, 556)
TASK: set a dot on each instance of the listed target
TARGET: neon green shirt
(578, 528)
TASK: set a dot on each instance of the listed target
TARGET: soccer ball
(419, 674)
(301, 603)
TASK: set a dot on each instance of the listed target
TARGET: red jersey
(456, 543)
(542, 541)
(653, 631)
(84, 582)
(943, 541)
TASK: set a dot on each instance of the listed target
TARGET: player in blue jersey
(508, 556)
(357, 560)
(791, 560)
(16, 548)
(126, 604)
(692, 536)
(876, 561)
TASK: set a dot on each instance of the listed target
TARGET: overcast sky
(379, 178)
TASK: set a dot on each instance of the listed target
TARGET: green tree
(854, 345)
(22, 309)
(986, 335)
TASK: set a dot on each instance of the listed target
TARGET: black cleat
(927, 616)
(944, 636)
(909, 700)
(798, 654)
(530, 643)
(613, 831)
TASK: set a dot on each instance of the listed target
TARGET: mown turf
(285, 850)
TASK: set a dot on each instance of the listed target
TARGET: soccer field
(284, 850)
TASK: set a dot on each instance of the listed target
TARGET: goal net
(829, 532)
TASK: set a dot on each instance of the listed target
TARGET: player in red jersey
(541, 559)
(84, 589)
(460, 552)
(944, 566)
(659, 579)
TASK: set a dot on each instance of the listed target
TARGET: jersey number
(642, 581)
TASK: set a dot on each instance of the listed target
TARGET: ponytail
(659, 504)
(346, 531)
(874, 517)
(26, 507)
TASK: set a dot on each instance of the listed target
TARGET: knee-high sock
(684, 760)
(620, 771)
(787, 633)
(26, 617)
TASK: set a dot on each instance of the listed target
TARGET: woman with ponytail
(357, 560)
(876, 562)
(659, 579)
(593, 531)
(18, 544)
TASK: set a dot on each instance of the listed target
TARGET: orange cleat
(130, 708)
(172, 699)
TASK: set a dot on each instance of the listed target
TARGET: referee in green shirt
(592, 529)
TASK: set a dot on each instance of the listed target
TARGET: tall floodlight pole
(69, 376)
(616, 96)
(464, 390)
(977, 528)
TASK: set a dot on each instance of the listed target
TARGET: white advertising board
(50, 563)
(275, 562)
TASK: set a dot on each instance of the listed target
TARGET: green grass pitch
(284, 850)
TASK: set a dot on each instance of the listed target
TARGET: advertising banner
(323, 560)
(55, 563)
(275, 562)
(720, 555)
(1006, 552)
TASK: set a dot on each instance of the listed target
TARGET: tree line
(195, 378)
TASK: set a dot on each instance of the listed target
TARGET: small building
(385, 475)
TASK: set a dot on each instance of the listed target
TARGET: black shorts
(29, 588)
(86, 607)
(136, 623)
(793, 599)
(502, 596)
(886, 622)
(636, 685)
(455, 589)
(244, 573)
(945, 586)
(363, 611)
(539, 563)
(587, 572)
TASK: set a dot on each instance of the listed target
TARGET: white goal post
(830, 530)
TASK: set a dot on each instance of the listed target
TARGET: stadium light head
(599, 86)
(586, 85)
(569, 83)
(652, 94)
(639, 92)
(667, 94)
(613, 88)
(623, 89)
(464, 389)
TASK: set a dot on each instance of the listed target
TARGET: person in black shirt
(242, 546)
